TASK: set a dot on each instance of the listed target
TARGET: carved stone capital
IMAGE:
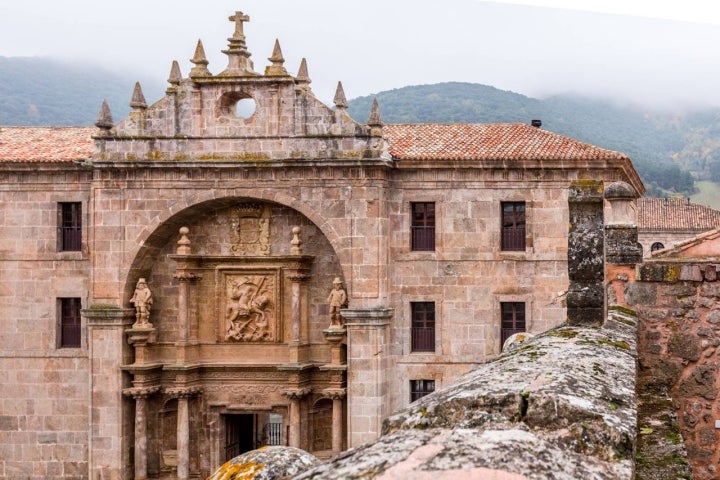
(186, 276)
(296, 393)
(299, 274)
(183, 392)
(335, 393)
(140, 392)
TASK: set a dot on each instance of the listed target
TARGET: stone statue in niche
(337, 300)
(251, 224)
(142, 300)
(248, 312)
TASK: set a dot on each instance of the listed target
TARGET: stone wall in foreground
(561, 405)
(679, 342)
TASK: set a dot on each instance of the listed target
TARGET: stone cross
(239, 18)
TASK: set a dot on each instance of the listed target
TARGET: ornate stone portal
(242, 349)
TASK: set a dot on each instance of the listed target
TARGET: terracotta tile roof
(46, 144)
(491, 141)
(675, 214)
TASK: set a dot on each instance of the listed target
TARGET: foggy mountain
(41, 91)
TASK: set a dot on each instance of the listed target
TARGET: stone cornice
(108, 316)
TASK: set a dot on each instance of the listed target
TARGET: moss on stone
(625, 310)
(618, 344)
(564, 333)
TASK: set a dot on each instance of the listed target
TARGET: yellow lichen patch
(672, 274)
(237, 471)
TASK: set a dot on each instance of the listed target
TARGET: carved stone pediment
(251, 225)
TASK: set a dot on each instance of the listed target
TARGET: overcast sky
(660, 53)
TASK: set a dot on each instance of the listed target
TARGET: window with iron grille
(69, 227)
(513, 226)
(423, 226)
(70, 333)
(513, 319)
(423, 326)
(420, 388)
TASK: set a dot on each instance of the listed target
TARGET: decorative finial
(375, 119)
(175, 75)
(302, 76)
(200, 61)
(183, 245)
(138, 99)
(295, 242)
(277, 60)
(238, 56)
(340, 100)
(105, 120)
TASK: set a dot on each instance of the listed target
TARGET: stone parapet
(561, 406)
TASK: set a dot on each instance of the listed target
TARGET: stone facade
(240, 223)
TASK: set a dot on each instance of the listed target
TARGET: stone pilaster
(184, 280)
(183, 395)
(367, 383)
(586, 266)
(337, 395)
(107, 351)
(140, 395)
(295, 395)
(298, 276)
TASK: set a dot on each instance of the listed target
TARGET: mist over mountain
(42, 91)
(670, 151)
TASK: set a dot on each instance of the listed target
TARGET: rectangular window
(423, 226)
(69, 323)
(69, 227)
(513, 226)
(420, 388)
(513, 319)
(423, 326)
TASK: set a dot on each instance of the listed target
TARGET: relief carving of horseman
(247, 310)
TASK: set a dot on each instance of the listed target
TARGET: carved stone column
(140, 395)
(297, 275)
(183, 395)
(295, 395)
(184, 278)
(337, 395)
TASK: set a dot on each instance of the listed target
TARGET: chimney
(536, 123)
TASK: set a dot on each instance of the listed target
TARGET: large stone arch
(166, 226)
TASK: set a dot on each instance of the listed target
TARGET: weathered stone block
(641, 294)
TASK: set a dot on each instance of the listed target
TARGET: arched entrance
(235, 340)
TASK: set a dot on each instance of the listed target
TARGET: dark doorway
(239, 434)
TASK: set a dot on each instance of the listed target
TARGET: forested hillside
(654, 141)
(40, 91)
